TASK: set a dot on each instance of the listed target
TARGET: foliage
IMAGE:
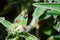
(54, 9)
(44, 11)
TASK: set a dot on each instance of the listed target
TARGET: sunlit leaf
(34, 20)
(6, 23)
(53, 6)
(1, 19)
(24, 22)
(15, 27)
(53, 12)
(38, 12)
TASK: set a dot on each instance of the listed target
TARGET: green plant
(19, 29)
(52, 10)
(16, 29)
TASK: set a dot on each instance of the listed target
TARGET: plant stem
(37, 30)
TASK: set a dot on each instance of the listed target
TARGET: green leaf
(34, 20)
(15, 28)
(28, 36)
(48, 32)
(10, 37)
(47, 16)
(38, 12)
(57, 26)
(53, 12)
(24, 22)
(21, 15)
(55, 16)
(6, 23)
(53, 6)
(1, 19)
(44, 16)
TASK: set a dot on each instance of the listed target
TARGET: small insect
(18, 21)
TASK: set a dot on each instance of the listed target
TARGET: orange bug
(18, 21)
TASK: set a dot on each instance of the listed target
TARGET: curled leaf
(53, 6)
